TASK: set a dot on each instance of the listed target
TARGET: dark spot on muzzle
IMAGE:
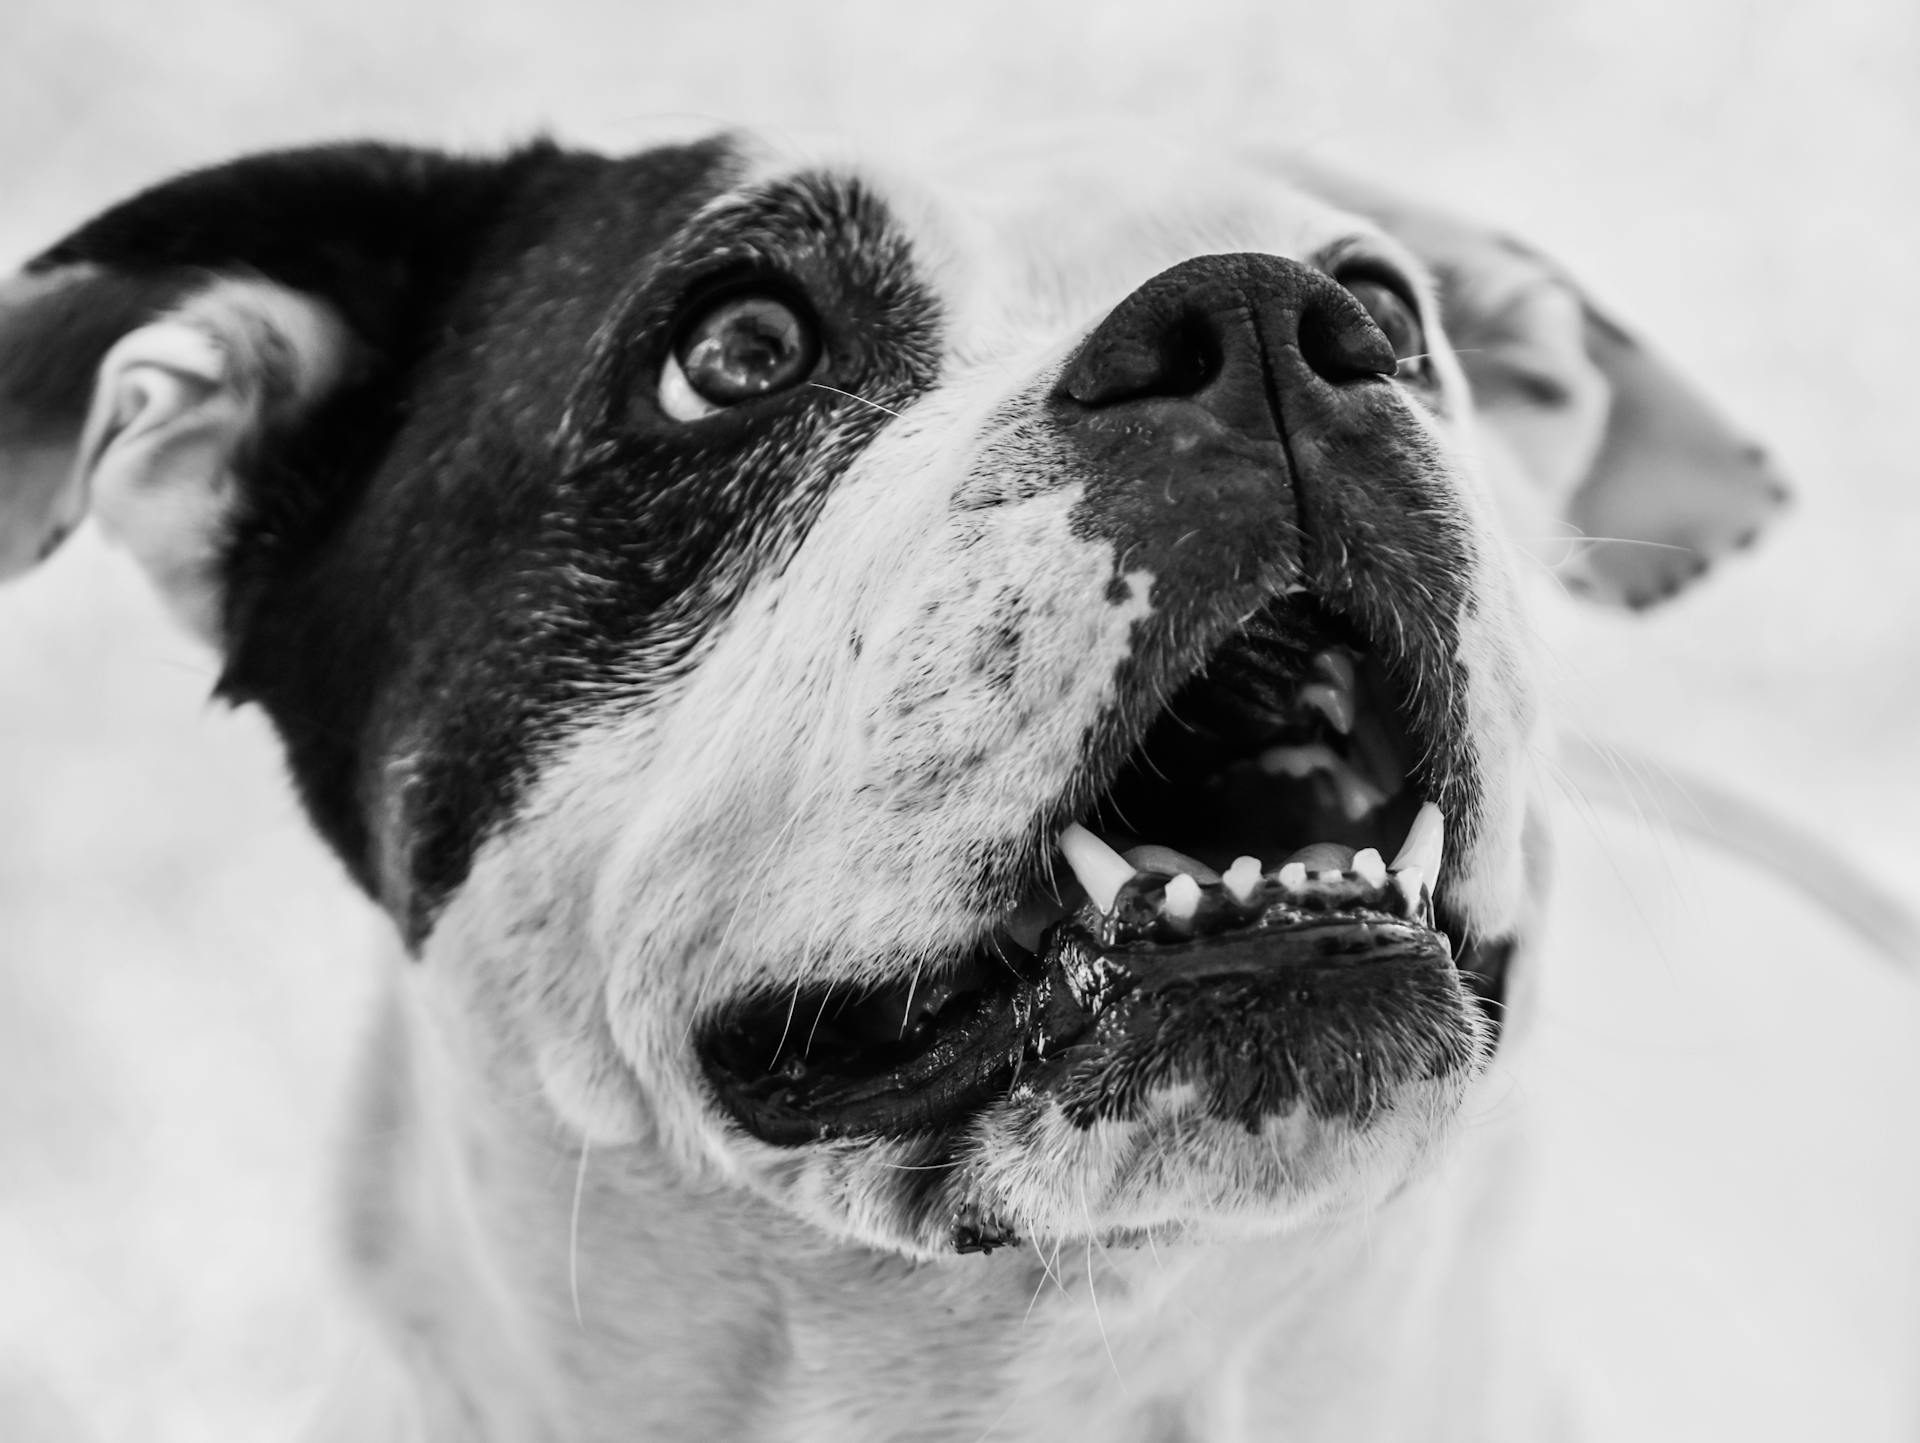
(1240, 439)
(1185, 399)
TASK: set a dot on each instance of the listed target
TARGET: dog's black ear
(146, 358)
(1621, 474)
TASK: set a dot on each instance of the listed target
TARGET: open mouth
(1251, 913)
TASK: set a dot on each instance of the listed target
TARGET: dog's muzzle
(1226, 924)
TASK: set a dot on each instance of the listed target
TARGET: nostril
(1341, 342)
(1178, 355)
(1192, 355)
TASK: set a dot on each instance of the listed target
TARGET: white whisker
(573, 1236)
(823, 386)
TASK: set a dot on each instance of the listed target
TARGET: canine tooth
(1338, 668)
(1100, 869)
(1369, 868)
(1242, 878)
(1408, 883)
(1182, 898)
(1293, 876)
(1425, 844)
(1332, 703)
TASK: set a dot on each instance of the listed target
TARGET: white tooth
(1338, 668)
(1242, 878)
(1425, 844)
(1183, 898)
(1293, 876)
(1408, 882)
(1100, 869)
(1332, 703)
(1301, 761)
(1368, 867)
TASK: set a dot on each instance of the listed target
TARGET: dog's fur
(623, 719)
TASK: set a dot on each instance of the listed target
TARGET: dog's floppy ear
(152, 356)
(1603, 442)
(138, 409)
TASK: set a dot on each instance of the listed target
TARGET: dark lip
(1262, 1018)
(1334, 1009)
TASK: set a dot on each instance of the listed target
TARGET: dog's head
(971, 705)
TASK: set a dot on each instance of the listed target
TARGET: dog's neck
(526, 1290)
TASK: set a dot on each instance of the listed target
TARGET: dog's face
(806, 654)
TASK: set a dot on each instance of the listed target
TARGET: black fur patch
(1342, 1039)
(492, 526)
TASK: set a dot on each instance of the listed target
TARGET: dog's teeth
(1298, 761)
(1182, 898)
(1337, 667)
(1100, 869)
(1425, 844)
(1243, 879)
(1356, 795)
(1293, 876)
(1369, 868)
(1408, 883)
(1332, 703)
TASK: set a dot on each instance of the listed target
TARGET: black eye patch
(626, 535)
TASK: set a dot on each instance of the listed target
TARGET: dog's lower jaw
(526, 1288)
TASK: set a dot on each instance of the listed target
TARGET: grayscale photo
(1078, 721)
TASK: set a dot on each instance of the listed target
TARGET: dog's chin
(1174, 1172)
(1187, 1046)
(1170, 1174)
(1225, 1011)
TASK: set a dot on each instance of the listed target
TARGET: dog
(955, 753)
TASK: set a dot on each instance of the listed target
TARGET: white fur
(558, 1233)
(766, 816)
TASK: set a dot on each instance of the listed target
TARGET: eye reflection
(745, 346)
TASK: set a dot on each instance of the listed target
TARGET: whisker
(823, 386)
(573, 1237)
(913, 991)
(1093, 1293)
(1612, 541)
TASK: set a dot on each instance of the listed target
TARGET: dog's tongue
(1169, 863)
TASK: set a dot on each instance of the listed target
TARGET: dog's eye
(744, 346)
(1396, 317)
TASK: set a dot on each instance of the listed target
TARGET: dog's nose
(1226, 420)
(1206, 332)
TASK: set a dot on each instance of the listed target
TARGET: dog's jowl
(954, 754)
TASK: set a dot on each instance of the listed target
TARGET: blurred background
(1730, 1082)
